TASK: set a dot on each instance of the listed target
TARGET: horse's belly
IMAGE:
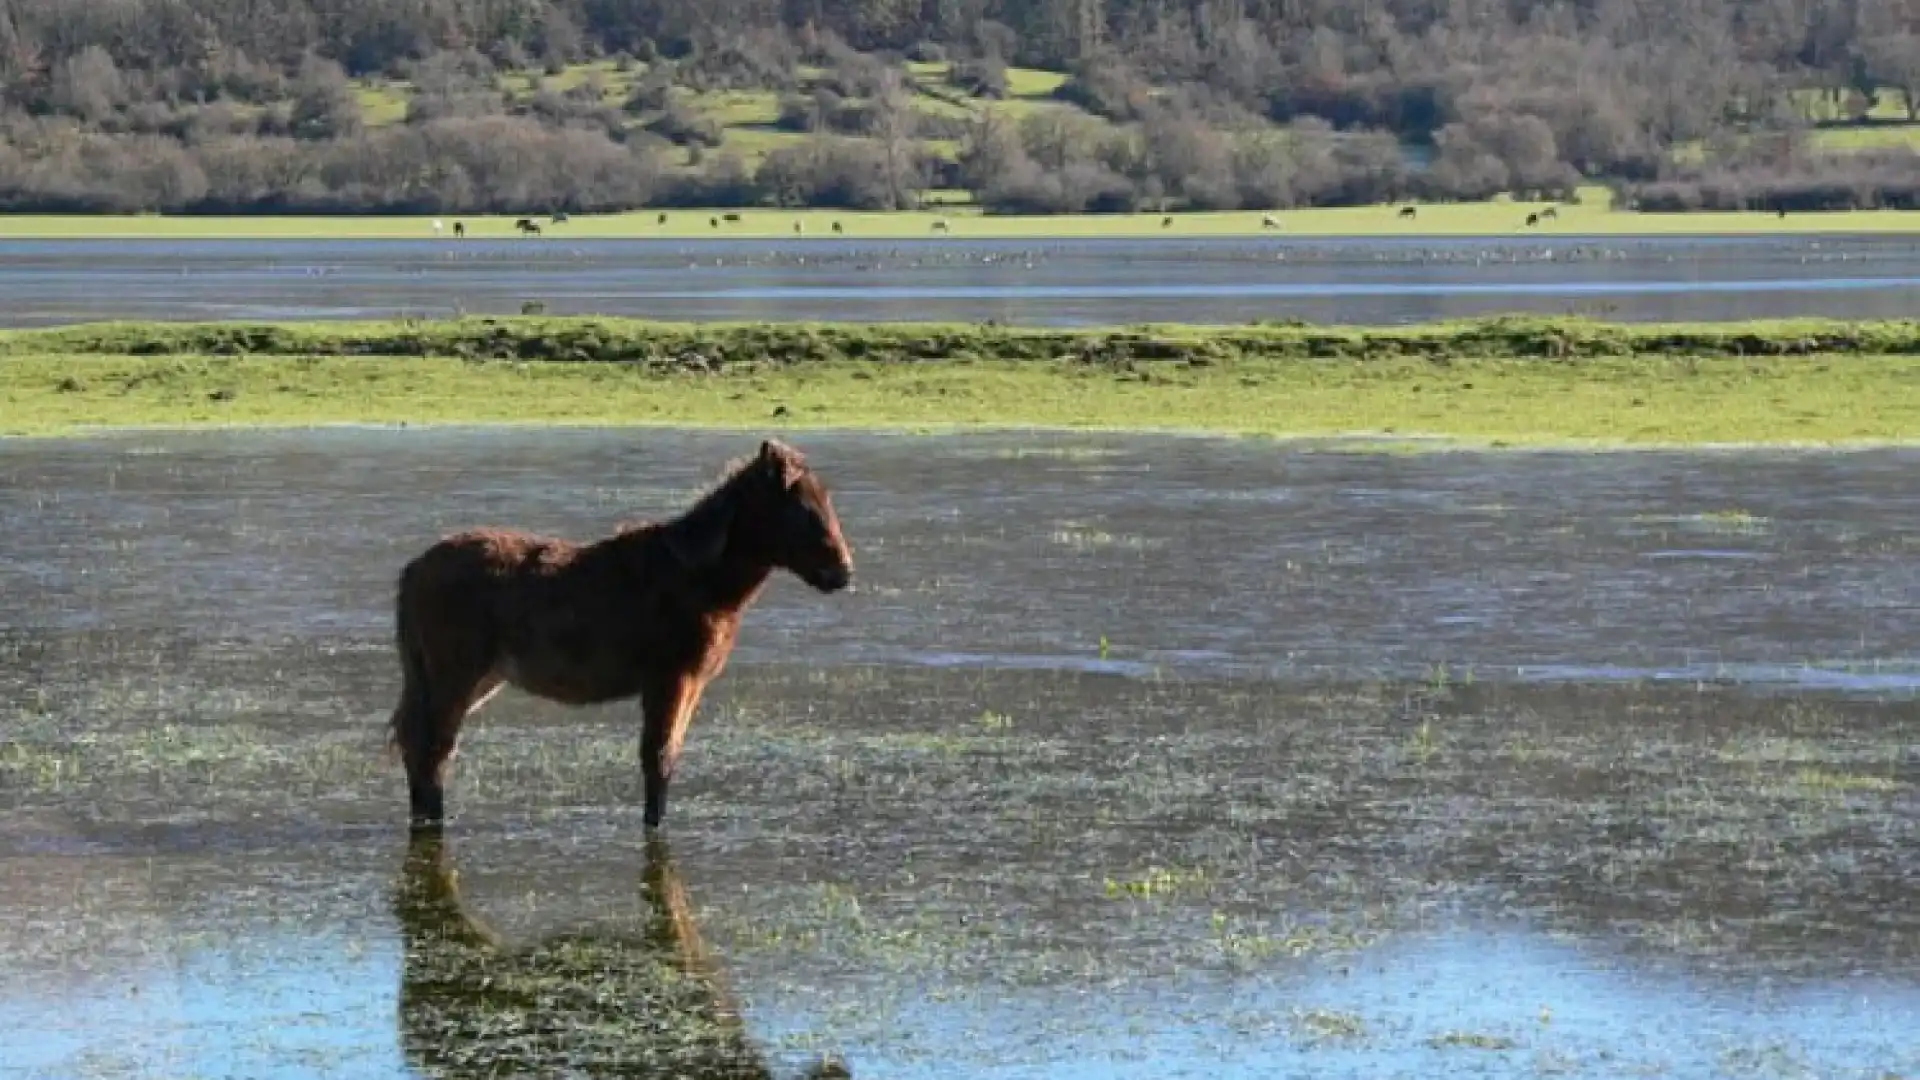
(571, 682)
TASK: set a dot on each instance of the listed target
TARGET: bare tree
(893, 121)
(87, 85)
(1894, 60)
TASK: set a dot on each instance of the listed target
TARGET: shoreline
(1351, 442)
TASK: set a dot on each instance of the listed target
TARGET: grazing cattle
(714, 221)
(1408, 211)
(1550, 212)
(797, 230)
(651, 611)
(837, 228)
(661, 220)
(1268, 221)
(560, 218)
(528, 226)
(595, 1002)
(731, 217)
(1533, 219)
(940, 225)
(438, 227)
(459, 228)
(1166, 223)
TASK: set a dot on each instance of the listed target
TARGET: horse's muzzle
(831, 579)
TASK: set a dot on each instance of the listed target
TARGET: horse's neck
(731, 585)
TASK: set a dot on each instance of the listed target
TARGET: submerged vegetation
(1524, 381)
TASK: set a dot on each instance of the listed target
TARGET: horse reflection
(586, 1004)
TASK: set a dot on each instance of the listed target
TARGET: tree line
(246, 106)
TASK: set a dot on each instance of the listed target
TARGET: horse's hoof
(831, 1067)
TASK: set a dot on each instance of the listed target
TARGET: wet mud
(1372, 281)
(1130, 758)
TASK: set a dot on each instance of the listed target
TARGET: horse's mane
(716, 494)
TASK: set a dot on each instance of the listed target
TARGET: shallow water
(1061, 282)
(1191, 556)
(1391, 765)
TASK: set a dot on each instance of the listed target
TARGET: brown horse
(651, 611)
(579, 1004)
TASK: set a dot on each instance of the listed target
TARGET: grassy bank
(1513, 381)
(1487, 219)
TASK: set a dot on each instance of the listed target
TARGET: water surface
(1388, 765)
(1053, 282)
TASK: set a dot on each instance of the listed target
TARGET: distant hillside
(1046, 106)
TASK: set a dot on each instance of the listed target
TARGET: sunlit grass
(382, 104)
(1818, 105)
(1479, 382)
(1881, 136)
(617, 84)
(1638, 401)
(1496, 218)
(735, 107)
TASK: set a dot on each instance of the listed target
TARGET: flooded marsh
(1129, 757)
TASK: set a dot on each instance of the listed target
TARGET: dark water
(1364, 281)
(1388, 765)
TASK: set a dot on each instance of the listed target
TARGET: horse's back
(462, 576)
(489, 552)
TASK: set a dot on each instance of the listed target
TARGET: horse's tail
(414, 709)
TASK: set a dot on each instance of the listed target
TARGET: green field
(1592, 216)
(1883, 124)
(1513, 382)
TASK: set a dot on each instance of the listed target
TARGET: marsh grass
(1158, 881)
(1322, 1024)
(1496, 383)
(1731, 522)
(1471, 1040)
(1234, 826)
(1241, 940)
(1825, 780)
(1089, 539)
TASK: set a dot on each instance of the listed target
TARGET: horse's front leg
(669, 705)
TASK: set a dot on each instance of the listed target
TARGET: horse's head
(795, 511)
(773, 510)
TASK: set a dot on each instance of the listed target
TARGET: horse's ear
(786, 462)
(700, 539)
